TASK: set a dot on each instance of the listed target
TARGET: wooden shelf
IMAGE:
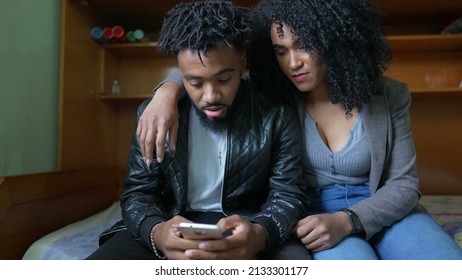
(418, 12)
(135, 50)
(415, 92)
(431, 94)
(427, 42)
(439, 91)
(432, 42)
(123, 98)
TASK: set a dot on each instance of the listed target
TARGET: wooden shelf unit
(431, 64)
(427, 62)
(137, 67)
(96, 127)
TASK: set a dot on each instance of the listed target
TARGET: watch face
(356, 222)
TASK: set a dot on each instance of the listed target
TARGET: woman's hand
(322, 231)
(159, 118)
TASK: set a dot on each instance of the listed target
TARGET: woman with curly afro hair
(327, 58)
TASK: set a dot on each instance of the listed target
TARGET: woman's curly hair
(347, 34)
(204, 25)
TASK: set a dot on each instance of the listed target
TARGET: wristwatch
(354, 220)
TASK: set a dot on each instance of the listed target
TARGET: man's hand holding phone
(245, 241)
(199, 241)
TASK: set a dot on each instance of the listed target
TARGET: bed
(75, 241)
(447, 211)
(93, 195)
(32, 206)
(78, 240)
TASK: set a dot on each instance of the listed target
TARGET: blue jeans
(415, 237)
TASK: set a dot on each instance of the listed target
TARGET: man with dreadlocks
(237, 161)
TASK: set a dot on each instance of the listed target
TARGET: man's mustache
(212, 105)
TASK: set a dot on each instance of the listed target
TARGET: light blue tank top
(351, 165)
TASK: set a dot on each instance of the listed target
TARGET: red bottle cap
(107, 33)
(118, 31)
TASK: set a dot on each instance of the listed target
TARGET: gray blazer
(393, 179)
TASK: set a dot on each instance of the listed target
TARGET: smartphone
(200, 231)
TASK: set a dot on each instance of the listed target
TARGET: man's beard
(215, 125)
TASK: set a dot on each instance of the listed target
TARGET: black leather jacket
(263, 176)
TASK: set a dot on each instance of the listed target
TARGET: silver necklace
(218, 141)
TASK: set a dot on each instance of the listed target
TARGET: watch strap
(356, 225)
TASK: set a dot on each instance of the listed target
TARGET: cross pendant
(220, 156)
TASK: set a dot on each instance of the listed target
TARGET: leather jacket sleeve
(287, 195)
(142, 196)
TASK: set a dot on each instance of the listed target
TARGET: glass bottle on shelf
(115, 87)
